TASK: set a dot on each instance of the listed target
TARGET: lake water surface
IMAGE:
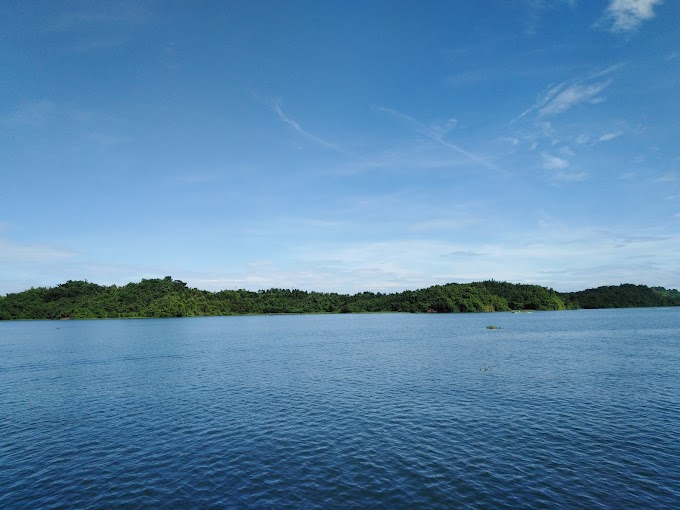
(572, 409)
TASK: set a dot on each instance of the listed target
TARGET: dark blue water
(554, 410)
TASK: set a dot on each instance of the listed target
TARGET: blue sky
(340, 146)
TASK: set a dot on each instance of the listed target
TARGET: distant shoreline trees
(166, 297)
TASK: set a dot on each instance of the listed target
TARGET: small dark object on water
(493, 327)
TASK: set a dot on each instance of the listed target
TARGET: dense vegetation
(172, 298)
(625, 296)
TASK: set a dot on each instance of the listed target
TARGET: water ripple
(376, 411)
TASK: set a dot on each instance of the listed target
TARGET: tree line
(166, 297)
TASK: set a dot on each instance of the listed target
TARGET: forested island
(167, 297)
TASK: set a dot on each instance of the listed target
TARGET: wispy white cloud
(442, 224)
(32, 114)
(562, 97)
(83, 129)
(582, 139)
(624, 239)
(276, 106)
(553, 254)
(551, 162)
(464, 253)
(437, 135)
(593, 138)
(17, 252)
(442, 128)
(572, 95)
(609, 136)
(566, 151)
(628, 15)
(512, 140)
(295, 224)
(667, 177)
(570, 176)
(535, 10)
(405, 158)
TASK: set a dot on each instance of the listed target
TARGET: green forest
(167, 297)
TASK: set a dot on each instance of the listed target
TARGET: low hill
(167, 297)
(624, 296)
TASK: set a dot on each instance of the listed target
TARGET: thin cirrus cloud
(276, 106)
(436, 134)
(628, 15)
(564, 96)
(573, 95)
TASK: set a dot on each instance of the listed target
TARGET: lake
(569, 409)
